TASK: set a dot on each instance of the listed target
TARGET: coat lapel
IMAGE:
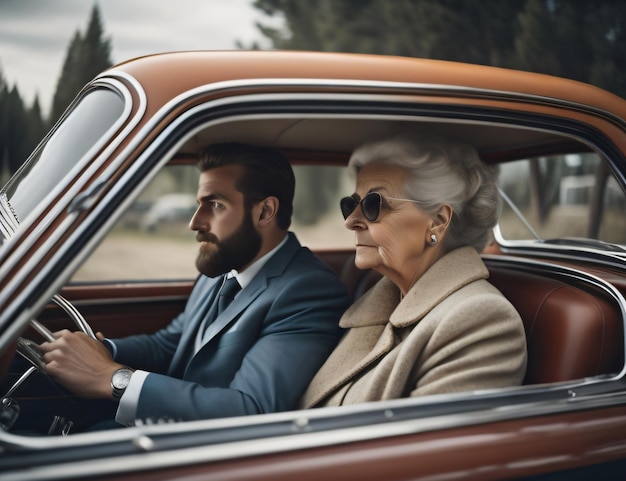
(370, 339)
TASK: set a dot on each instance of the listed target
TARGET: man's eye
(216, 205)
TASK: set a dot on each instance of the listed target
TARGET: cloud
(35, 34)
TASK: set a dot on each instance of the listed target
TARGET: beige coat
(452, 332)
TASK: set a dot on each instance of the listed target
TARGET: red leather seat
(571, 333)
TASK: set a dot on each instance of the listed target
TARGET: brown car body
(316, 108)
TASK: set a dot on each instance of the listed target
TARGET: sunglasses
(371, 205)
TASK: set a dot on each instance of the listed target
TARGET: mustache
(206, 237)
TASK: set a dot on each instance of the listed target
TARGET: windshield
(42, 175)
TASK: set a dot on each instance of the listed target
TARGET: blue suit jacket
(268, 345)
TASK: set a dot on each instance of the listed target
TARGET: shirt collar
(244, 278)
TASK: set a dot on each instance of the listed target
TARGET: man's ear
(268, 210)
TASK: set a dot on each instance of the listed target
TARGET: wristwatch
(120, 380)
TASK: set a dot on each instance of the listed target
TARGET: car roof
(176, 72)
(168, 77)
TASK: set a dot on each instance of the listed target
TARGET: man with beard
(259, 353)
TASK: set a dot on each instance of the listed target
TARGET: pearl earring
(433, 240)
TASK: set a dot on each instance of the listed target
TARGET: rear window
(565, 196)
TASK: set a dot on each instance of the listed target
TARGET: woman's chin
(364, 260)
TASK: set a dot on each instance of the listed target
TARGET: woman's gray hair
(442, 171)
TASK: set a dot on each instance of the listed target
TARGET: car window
(81, 131)
(564, 196)
(152, 240)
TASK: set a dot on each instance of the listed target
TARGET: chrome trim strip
(537, 248)
(221, 102)
(407, 87)
(302, 438)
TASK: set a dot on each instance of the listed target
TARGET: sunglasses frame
(351, 198)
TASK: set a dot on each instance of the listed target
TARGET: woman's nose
(355, 220)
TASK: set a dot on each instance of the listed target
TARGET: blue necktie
(227, 293)
(229, 290)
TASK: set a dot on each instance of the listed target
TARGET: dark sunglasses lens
(347, 205)
(371, 206)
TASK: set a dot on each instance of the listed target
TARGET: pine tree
(18, 144)
(4, 161)
(576, 39)
(87, 56)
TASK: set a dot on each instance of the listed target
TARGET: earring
(433, 240)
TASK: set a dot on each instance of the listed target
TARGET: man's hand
(80, 364)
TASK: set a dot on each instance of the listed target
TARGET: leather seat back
(571, 333)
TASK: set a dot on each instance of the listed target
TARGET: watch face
(121, 378)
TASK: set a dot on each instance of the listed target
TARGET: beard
(233, 252)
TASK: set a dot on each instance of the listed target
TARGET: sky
(35, 34)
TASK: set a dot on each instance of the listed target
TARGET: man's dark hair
(267, 173)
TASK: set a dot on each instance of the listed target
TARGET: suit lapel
(274, 267)
(206, 299)
(221, 322)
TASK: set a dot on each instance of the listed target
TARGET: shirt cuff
(127, 408)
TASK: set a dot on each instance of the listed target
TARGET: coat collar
(450, 273)
(379, 311)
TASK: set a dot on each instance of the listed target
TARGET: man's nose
(197, 223)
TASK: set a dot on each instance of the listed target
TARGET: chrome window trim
(221, 102)
(399, 87)
(615, 260)
(26, 243)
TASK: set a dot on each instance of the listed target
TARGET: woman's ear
(440, 222)
(443, 217)
(268, 210)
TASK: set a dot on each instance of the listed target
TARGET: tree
(17, 145)
(87, 56)
(576, 39)
(463, 30)
(4, 168)
(20, 129)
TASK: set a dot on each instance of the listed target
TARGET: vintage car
(73, 253)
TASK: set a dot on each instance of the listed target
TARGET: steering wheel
(30, 351)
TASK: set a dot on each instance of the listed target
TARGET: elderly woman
(422, 212)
